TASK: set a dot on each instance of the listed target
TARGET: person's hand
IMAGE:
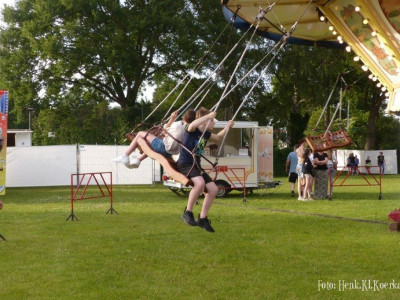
(174, 115)
(231, 123)
(212, 115)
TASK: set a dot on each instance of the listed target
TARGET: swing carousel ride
(369, 28)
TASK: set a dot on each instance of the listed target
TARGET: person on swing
(196, 136)
(167, 146)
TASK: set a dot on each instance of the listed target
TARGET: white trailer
(245, 162)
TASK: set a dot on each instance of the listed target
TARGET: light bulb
(331, 28)
(364, 68)
(365, 21)
(379, 84)
(357, 8)
(356, 58)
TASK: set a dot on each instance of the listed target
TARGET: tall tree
(107, 47)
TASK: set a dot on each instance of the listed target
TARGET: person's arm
(217, 138)
(196, 123)
(172, 119)
(321, 162)
(287, 165)
(1, 204)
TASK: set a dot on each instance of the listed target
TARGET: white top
(333, 160)
(177, 130)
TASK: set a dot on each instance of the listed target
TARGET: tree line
(70, 59)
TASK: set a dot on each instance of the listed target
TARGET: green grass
(272, 247)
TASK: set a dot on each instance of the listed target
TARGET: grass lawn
(272, 247)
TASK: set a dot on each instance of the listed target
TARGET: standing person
(291, 163)
(332, 166)
(350, 163)
(196, 135)
(356, 163)
(299, 169)
(381, 162)
(167, 146)
(309, 173)
(368, 165)
(321, 175)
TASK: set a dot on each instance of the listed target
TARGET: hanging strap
(327, 102)
(201, 60)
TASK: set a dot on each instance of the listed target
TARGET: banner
(3, 139)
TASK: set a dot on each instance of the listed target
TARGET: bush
(280, 156)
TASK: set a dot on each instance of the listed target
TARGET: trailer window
(238, 143)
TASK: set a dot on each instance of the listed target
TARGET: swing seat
(330, 140)
(169, 165)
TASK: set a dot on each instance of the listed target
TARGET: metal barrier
(370, 178)
(104, 188)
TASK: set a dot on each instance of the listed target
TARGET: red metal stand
(370, 179)
(228, 172)
(104, 189)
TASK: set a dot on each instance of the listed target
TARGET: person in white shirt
(168, 146)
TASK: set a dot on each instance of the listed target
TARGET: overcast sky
(2, 3)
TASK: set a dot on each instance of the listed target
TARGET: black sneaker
(205, 224)
(189, 218)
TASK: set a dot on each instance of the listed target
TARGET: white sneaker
(300, 199)
(121, 159)
(133, 164)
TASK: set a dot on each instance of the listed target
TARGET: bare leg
(195, 192)
(292, 186)
(300, 188)
(134, 144)
(209, 199)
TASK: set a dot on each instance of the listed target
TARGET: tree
(108, 48)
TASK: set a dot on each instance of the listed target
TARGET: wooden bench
(330, 140)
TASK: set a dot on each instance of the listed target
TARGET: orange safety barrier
(369, 178)
(78, 192)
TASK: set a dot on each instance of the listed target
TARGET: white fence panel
(40, 165)
(53, 165)
(95, 158)
(390, 159)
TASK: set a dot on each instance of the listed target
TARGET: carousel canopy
(369, 28)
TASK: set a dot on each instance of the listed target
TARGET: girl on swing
(196, 136)
(167, 146)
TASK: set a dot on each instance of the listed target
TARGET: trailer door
(265, 154)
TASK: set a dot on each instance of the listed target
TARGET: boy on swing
(195, 139)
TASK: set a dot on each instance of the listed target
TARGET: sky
(2, 3)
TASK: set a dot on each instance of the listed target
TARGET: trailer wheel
(223, 188)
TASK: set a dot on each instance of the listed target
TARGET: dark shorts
(195, 172)
(293, 177)
(158, 146)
